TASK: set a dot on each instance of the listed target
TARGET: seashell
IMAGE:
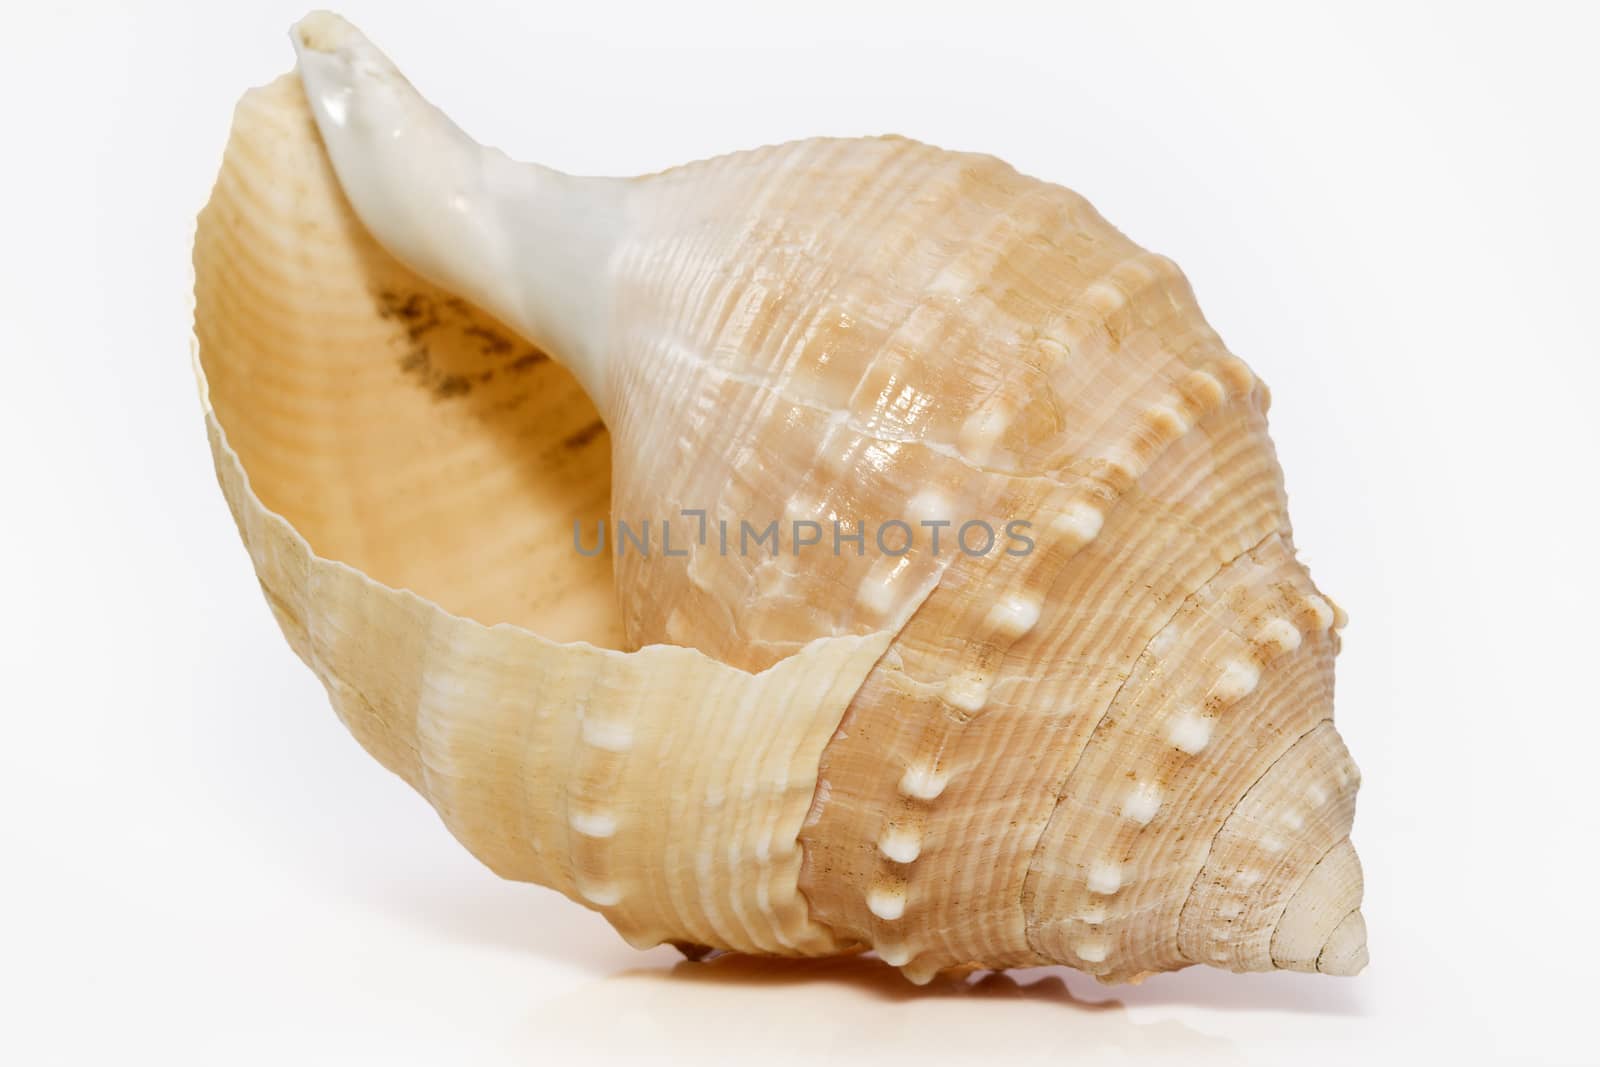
(1112, 750)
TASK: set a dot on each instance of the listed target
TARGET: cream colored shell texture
(424, 363)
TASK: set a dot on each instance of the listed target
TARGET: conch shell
(1114, 750)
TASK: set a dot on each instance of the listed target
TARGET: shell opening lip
(203, 386)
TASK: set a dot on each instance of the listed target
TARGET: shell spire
(967, 624)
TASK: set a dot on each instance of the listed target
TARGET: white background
(1390, 212)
